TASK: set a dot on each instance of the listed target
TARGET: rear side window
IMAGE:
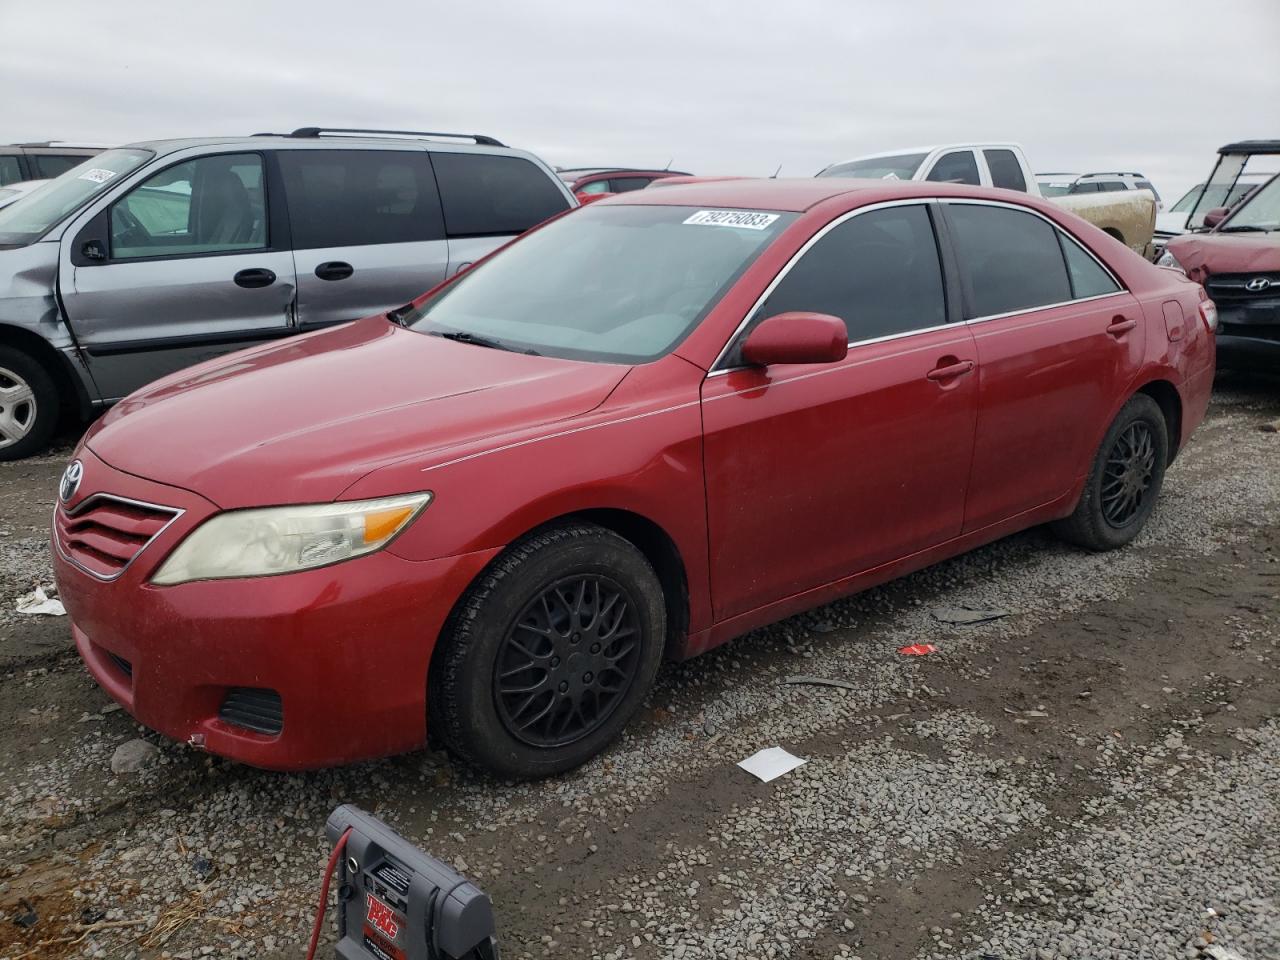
(1111, 186)
(1091, 187)
(46, 166)
(878, 272)
(491, 195)
(1148, 185)
(956, 167)
(1005, 169)
(10, 170)
(1009, 260)
(1088, 279)
(347, 198)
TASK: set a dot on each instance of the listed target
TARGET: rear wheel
(29, 405)
(549, 654)
(1125, 480)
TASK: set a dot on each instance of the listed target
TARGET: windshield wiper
(461, 336)
(399, 313)
(1243, 228)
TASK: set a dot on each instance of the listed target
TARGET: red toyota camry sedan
(643, 428)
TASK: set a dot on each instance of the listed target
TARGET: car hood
(301, 420)
(1202, 254)
(1170, 222)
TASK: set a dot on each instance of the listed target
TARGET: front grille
(125, 666)
(1233, 287)
(254, 709)
(104, 533)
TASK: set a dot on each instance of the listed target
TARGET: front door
(368, 234)
(1058, 342)
(180, 269)
(815, 473)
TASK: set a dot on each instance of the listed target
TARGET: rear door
(818, 472)
(188, 264)
(489, 198)
(1058, 343)
(367, 230)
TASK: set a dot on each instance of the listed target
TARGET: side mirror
(1215, 217)
(797, 338)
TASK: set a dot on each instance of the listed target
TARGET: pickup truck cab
(1128, 217)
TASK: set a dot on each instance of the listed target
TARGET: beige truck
(1129, 216)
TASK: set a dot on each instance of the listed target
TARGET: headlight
(258, 543)
(1167, 259)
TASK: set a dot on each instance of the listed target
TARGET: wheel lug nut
(586, 678)
(555, 661)
(595, 648)
(576, 637)
(564, 686)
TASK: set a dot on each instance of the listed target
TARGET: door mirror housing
(1215, 217)
(797, 338)
(93, 250)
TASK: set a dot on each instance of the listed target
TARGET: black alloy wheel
(1127, 475)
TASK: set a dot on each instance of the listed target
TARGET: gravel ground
(1095, 775)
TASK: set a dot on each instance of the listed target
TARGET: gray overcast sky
(716, 87)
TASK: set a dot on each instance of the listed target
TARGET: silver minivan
(154, 256)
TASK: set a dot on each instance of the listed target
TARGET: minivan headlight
(262, 542)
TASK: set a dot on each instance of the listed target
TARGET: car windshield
(1260, 212)
(1055, 188)
(46, 206)
(902, 167)
(612, 283)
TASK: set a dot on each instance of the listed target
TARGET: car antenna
(776, 172)
(668, 166)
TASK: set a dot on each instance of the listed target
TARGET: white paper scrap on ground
(37, 602)
(771, 763)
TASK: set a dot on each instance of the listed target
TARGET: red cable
(324, 891)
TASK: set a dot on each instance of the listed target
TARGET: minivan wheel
(549, 653)
(1127, 474)
(29, 405)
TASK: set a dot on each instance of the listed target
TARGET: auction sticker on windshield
(742, 219)
(98, 175)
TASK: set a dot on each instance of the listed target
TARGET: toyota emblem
(70, 481)
(1258, 284)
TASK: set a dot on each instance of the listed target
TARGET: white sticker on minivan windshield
(97, 175)
(742, 219)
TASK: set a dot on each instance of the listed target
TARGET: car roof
(930, 149)
(792, 195)
(162, 147)
(1252, 147)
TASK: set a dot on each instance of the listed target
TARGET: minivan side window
(347, 198)
(213, 204)
(10, 170)
(486, 195)
(1088, 279)
(959, 166)
(879, 272)
(46, 166)
(1005, 169)
(1009, 260)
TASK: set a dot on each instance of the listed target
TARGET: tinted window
(878, 272)
(341, 198)
(625, 184)
(956, 167)
(902, 167)
(1009, 259)
(1005, 169)
(1088, 279)
(10, 170)
(486, 194)
(1110, 186)
(1148, 185)
(47, 166)
(1091, 187)
(213, 204)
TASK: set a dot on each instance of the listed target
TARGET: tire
(29, 405)
(537, 669)
(1124, 481)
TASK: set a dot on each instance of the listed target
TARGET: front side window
(347, 198)
(627, 184)
(36, 215)
(1087, 186)
(959, 166)
(594, 187)
(1111, 186)
(1088, 279)
(10, 170)
(901, 167)
(213, 204)
(1005, 169)
(1009, 260)
(488, 195)
(607, 283)
(878, 272)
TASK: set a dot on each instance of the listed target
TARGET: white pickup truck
(1129, 216)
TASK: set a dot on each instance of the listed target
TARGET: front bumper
(346, 647)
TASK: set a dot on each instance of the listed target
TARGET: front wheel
(29, 405)
(549, 653)
(1125, 480)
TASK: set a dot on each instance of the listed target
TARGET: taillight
(1209, 314)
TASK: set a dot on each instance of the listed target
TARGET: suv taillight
(1209, 314)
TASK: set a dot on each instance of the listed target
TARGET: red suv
(643, 428)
